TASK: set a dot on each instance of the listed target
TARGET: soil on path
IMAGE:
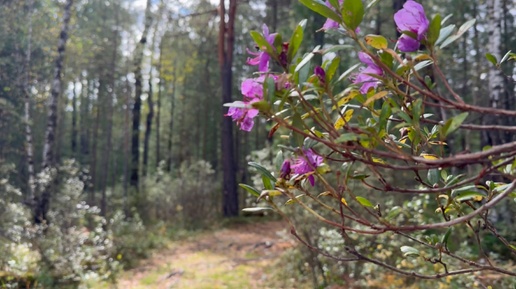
(238, 257)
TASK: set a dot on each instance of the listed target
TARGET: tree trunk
(126, 157)
(148, 127)
(29, 148)
(50, 140)
(138, 58)
(42, 202)
(171, 124)
(109, 118)
(495, 75)
(225, 51)
(158, 106)
(74, 121)
(84, 122)
(94, 145)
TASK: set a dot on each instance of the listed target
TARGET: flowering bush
(349, 144)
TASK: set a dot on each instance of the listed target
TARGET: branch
(458, 220)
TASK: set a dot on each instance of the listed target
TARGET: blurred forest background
(112, 123)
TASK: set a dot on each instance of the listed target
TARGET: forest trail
(236, 257)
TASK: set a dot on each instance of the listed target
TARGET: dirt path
(234, 258)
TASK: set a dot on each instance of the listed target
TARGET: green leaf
(364, 202)
(386, 59)
(238, 103)
(384, 115)
(376, 96)
(433, 176)
(279, 159)
(405, 117)
(297, 138)
(372, 4)
(256, 209)
(352, 13)
(393, 213)
(452, 180)
(296, 40)
(348, 72)
(321, 9)
(270, 193)
(345, 137)
(462, 29)
(253, 191)
(491, 58)
(434, 30)
(422, 64)
(376, 41)
(445, 33)
(336, 48)
(263, 105)
(359, 176)
(263, 44)
(416, 110)
(409, 251)
(332, 69)
(453, 123)
(294, 200)
(262, 170)
(303, 62)
(506, 56)
(467, 193)
(335, 3)
(271, 89)
(446, 236)
(267, 183)
(466, 26)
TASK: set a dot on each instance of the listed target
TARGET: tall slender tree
(225, 51)
(137, 105)
(495, 75)
(42, 202)
(29, 148)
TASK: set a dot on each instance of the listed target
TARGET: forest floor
(239, 256)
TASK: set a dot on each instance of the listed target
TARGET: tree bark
(126, 157)
(42, 201)
(225, 51)
(84, 122)
(135, 138)
(495, 75)
(29, 147)
(148, 127)
(94, 145)
(171, 123)
(50, 133)
(109, 118)
(74, 121)
(158, 106)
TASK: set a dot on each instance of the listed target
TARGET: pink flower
(330, 23)
(307, 163)
(411, 18)
(368, 81)
(252, 90)
(321, 74)
(285, 169)
(261, 58)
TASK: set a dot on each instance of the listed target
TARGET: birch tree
(135, 138)
(42, 201)
(495, 75)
